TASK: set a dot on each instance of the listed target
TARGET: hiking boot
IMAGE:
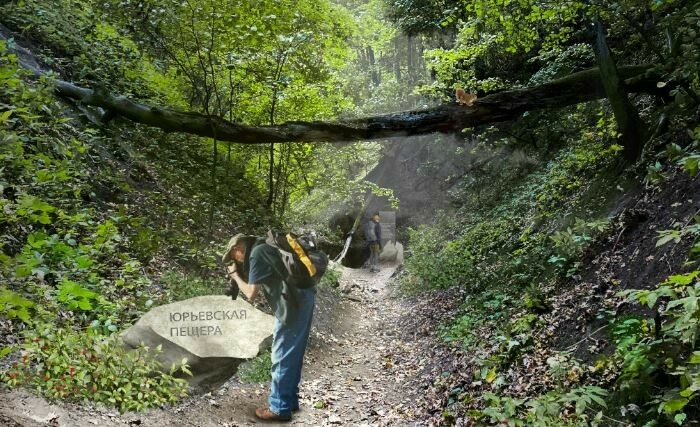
(266, 414)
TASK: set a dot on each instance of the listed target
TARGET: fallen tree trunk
(503, 106)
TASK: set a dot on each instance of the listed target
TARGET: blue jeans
(288, 347)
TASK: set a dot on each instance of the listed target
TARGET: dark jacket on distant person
(373, 232)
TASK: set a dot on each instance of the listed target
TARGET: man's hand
(250, 291)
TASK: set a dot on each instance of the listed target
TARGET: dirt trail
(350, 378)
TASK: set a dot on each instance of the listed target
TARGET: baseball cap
(231, 243)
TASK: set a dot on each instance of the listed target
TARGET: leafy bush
(570, 244)
(487, 309)
(648, 352)
(65, 364)
(15, 306)
(257, 370)
(184, 286)
(76, 297)
(331, 277)
(550, 409)
(663, 346)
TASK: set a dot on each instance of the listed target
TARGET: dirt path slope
(350, 377)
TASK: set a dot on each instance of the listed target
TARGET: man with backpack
(373, 236)
(259, 266)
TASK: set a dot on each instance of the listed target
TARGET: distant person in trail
(373, 236)
(256, 265)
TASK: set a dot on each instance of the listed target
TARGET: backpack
(305, 263)
(370, 234)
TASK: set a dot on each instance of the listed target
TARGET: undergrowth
(72, 365)
(99, 223)
(513, 243)
(256, 370)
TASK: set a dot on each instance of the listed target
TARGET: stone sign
(213, 332)
(387, 220)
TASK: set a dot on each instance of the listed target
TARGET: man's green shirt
(267, 270)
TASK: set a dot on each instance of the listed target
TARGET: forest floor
(356, 369)
(376, 359)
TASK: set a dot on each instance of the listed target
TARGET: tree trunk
(410, 60)
(270, 176)
(503, 106)
(397, 59)
(631, 127)
(372, 66)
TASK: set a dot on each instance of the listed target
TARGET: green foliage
(682, 231)
(683, 50)
(651, 361)
(87, 52)
(436, 263)
(256, 370)
(644, 355)
(254, 63)
(525, 213)
(77, 235)
(534, 299)
(503, 236)
(654, 174)
(561, 62)
(485, 310)
(78, 253)
(547, 409)
(571, 243)
(75, 296)
(638, 366)
(419, 16)
(63, 364)
(184, 286)
(331, 277)
(386, 65)
(70, 250)
(34, 210)
(646, 352)
(495, 38)
(564, 405)
(687, 159)
(15, 306)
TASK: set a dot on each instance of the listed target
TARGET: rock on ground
(213, 333)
